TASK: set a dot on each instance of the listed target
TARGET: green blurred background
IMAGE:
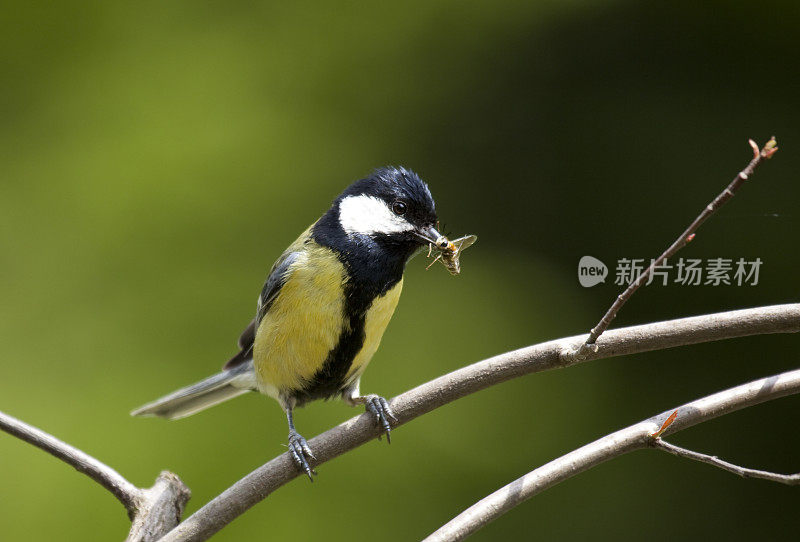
(156, 157)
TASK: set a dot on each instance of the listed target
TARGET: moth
(450, 251)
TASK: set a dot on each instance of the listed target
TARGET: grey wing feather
(248, 335)
(275, 281)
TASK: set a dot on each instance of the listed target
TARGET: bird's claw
(301, 453)
(380, 408)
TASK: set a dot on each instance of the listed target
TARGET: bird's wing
(248, 335)
(278, 276)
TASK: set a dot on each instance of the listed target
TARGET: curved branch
(626, 440)
(125, 492)
(257, 485)
(153, 511)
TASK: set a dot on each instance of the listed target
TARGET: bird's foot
(379, 407)
(301, 453)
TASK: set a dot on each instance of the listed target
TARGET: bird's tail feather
(213, 390)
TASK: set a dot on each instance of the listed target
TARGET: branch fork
(153, 512)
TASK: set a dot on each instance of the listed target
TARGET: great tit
(324, 307)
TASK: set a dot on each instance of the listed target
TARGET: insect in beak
(450, 251)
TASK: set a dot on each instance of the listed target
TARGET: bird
(324, 307)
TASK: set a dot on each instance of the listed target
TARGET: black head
(375, 226)
(392, 205)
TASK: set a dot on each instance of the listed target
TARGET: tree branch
(626, 440)
(683, 239)
(125, 492)
(161, 509)
(788, 479)
(153, 511)
(257, 485)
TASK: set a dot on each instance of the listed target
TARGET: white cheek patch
(366, 215)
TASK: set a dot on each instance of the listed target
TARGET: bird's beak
(431, 235)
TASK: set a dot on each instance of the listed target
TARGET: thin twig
(683, 239)
(626, 440)
(127, 493)
(788, 479)
(257, 485)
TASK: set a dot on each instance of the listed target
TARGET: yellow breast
(303, 324)
(377, 318)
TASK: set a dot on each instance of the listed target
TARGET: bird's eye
(399, 208)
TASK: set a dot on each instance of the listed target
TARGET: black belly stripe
(330, 379)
